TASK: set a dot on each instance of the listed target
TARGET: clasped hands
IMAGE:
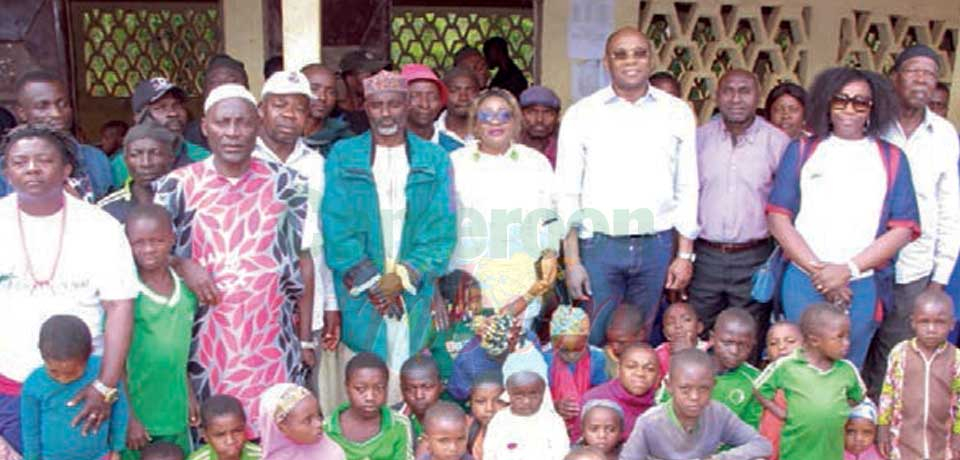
(832, 281)
(385, 296)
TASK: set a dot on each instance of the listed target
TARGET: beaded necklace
(41, 283)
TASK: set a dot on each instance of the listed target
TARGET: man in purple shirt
(737, 154)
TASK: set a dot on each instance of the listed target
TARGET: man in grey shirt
(692, 426)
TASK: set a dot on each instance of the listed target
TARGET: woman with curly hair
(843, 203)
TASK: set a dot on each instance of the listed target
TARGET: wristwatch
(110, 395)
(687, 256)
(308, 345)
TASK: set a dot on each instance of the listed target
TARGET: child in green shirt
(820, 387)
(365, 427)
(162, 405)
(731, 343)
(224, 429)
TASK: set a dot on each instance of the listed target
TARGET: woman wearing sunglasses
(843, 204)
(504, 203)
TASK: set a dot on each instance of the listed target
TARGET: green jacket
(353, 240)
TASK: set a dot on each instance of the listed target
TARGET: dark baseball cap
(149, 91)
(362, 61)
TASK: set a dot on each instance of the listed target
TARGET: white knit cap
(228, 91)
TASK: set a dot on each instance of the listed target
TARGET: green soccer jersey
(157, 362)
(818, 404)
(733, 388)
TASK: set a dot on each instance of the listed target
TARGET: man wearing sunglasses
(738, 153)
(389, 227)
(930, 143)
(627, 183)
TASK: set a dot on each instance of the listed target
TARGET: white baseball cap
(287, 82)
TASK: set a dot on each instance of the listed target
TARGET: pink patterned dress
(246, 232)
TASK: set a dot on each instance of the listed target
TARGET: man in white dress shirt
(930, 143)
(627, 181)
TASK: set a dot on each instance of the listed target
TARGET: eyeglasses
(500, 116)
(839, 102)
(636, 53)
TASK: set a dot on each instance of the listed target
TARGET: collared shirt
(322, 140)
(626, 168)
(659, 434)
(310, 164)
(440, 126)
(920, 399)
(933, 151)
(736, 178)
(445, 140)
(817, 404)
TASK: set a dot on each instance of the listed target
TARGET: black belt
(730, 248)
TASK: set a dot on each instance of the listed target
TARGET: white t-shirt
(95, 264)
(842, 187)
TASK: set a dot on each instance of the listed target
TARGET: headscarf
(633, 406)
(609, 404)
(275, 405)
(866, 410)
(569, 320)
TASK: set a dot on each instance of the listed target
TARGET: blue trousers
(799, 292)
(10, 421)
(630, 269)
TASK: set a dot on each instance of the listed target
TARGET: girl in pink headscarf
(291, 427)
